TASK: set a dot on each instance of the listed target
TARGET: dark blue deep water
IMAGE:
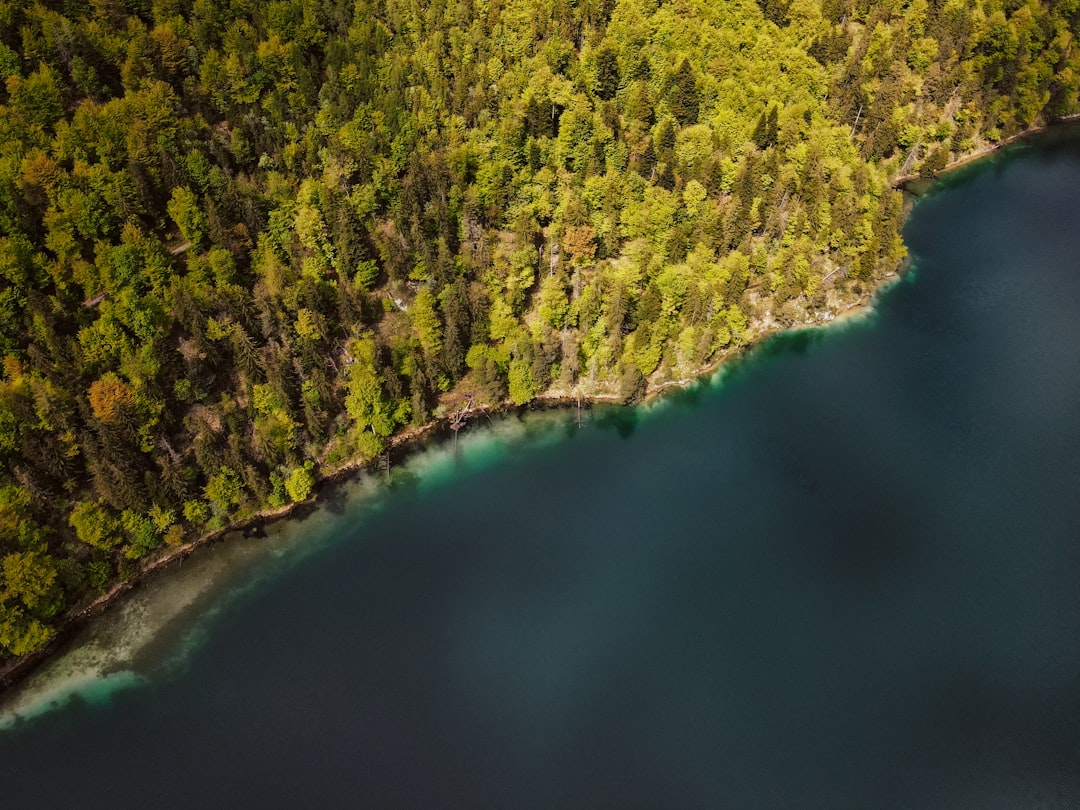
(847, 575)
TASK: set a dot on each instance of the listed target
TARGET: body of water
(844, 574)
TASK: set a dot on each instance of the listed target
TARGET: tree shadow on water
(623, 420)
(688, 396)
(403, 480)
(797, 341)
(334, 499)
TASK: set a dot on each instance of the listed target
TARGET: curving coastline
(409, 441)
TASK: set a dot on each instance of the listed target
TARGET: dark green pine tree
(767, 127)
(682, 96)
(607, 72)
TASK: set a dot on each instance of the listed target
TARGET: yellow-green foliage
(300, 483)
(237, 242)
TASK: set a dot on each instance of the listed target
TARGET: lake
(845, 573)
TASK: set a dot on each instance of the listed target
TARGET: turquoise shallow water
(846, 574)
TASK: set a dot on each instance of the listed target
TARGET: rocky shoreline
(400, 446)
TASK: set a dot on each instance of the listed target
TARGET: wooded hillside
(243, 242)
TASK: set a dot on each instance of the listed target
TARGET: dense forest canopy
(242, 243)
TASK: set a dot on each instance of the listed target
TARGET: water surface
(844, 574)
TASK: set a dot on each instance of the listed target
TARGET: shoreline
(986, 150)
(400, 446)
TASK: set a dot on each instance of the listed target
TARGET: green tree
(189, 215)
(300, 483)
(38, 98)
(522, 384)
(224, 490)
(682, 96)
(95, 524)
(30, 578)
(426, 321)
(607, 71)
(366, 400)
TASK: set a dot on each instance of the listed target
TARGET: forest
(244, 244)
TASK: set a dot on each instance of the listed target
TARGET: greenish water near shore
(151, 632)
(841, 574)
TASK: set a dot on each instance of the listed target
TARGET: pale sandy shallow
(153, 629)
(104, 657)
(154, 626)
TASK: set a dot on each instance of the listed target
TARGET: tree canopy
(242, 243)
